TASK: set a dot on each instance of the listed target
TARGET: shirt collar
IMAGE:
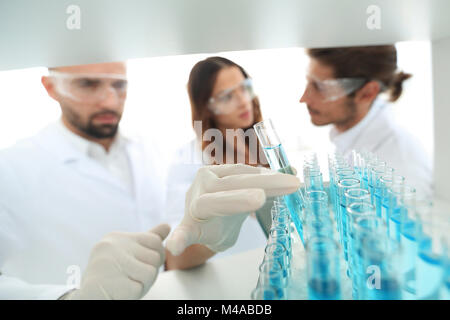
(343, 140)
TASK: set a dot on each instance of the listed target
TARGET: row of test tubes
(394, 247)
(322, 249)
(275, 270)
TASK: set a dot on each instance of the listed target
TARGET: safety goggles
(90, 87)
(334, 89)
(228, 100)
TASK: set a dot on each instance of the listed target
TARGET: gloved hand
(123, 265)
(220, 199)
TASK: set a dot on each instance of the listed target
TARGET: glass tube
(323, 272)
(380, 260)
(402, 200)
(271, 276)
(432, 264)
(341, 174)
(351, 196)
(279, 253)
(344, 185)
(377, 174)
(313, 181)
(281, 235)
(354, 211)
(265, 293)
(318, 226)
(363, 226)
(274, 152)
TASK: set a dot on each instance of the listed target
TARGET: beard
(102, 131)
(99, 131)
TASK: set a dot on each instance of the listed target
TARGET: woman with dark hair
(224, 109)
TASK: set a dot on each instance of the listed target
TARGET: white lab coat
(56, 203)
(379, 133)
(188, 159)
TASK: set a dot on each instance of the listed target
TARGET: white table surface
(233, 277)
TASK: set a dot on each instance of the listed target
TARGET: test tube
(278, 161)
(313, 180)
(410, 231)
(281, 216)
(341, 174)
(279, 253)
(378, 185)
(431, 266)
(374, 168)
(363, 227)
(402, 199)
(316, 203)
(355, 211)
(271, 275)
(381, 257)
(281, 235)
(318, 226)
(351, 196)
(316, 208)
(265, 293)
(323, 272)
(344, 185)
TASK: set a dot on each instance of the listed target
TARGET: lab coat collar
(54, 141)
(68, 146)
(374, 120)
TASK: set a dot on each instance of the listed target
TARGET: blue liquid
(408, 240)
(430, 276)
(372, 194)
(378, 205)
(365, 182)
(389, 290)
(278, 161)
(445, 293)
(324, 289)
(385, 215)
(315, 183)
(394, 224)
(343, 228)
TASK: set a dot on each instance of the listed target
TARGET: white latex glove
(220, 199)
(123, 265)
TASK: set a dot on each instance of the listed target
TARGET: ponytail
(396, 85)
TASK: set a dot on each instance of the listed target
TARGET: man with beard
(344, 87)
(77, 200)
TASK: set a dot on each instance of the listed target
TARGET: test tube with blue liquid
(278, 161)
(381, 256)
(355, 234)
(377, 173)
(342, 186)
(323, 271)
(432, 260)
(351, 195)
(401, 199)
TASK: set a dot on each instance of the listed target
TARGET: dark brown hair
(200, 87)
(377, 63)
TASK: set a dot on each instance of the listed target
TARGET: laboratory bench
(233, 278)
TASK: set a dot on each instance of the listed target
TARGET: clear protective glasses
(229, 99)
(334, 89)
(90, 87)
